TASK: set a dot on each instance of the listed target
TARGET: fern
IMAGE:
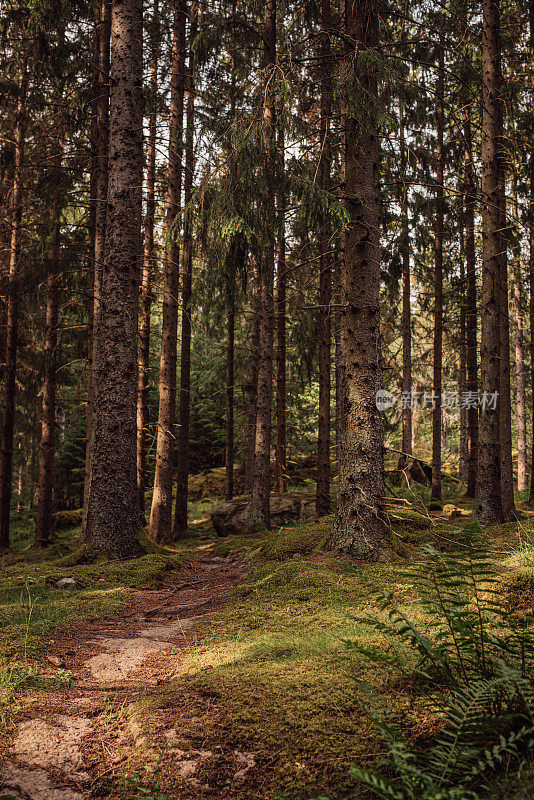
(469, 646)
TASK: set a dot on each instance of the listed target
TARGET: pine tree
(114, 519)
(359, 527)
(160, 526)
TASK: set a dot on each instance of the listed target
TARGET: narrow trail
(60, 748)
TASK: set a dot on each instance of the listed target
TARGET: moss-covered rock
(64, 520)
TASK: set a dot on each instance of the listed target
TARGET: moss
(435, 505)
(304, 539)
(64, 520)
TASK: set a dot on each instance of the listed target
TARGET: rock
(56, 661)
(66, 583)
(286, 509)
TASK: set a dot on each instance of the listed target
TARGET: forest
(267, 384)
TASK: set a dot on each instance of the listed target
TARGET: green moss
(64, 520)
(304, 540)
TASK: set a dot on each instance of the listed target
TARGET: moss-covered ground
(269, 673)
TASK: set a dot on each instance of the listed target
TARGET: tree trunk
(160, 526)
(259, 511)
(182, 472)
(488, 498)
(531, 244)
(519, 364)
(359, 527)
(505, 404)
(471, 296)
(281, 279)
(322, 496)
(253, 390)
(404, 248)
(229, 447)
(43, 524)
(464, 438)
(113, 506)
(99, 181)
(148, 267)
(438, 285)
(8, 398)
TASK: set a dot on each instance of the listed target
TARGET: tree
(43, 524)
(98, 221)
(160, 526)
(359, 526)
(438, 282)
(8, 398)
(182, 472)
(259, 508)
(488, 495)
(149, 258)
(114, 519)
(322, 497)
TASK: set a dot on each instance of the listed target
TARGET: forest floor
(215, 669)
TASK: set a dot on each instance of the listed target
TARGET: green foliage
(469, 644)
(468, 631)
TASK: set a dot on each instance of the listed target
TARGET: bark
(259, 512)
(464, 439)
(8, 398)
(519, 366)
(488, 498)
(43, 524)
(322, 496)
(359, 526)
(505, 405)
(281, 280)
(229, 446)
(253, 387)
(113, 506)
(531, 243)
(471, 295)
(438, 285)
(148, 267)
(404, 248)
(160, 526)
(182, 472)
(99, 190)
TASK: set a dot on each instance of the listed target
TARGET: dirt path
(56, 750)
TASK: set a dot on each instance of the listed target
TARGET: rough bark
(8, 396)
(404, 250)
(280, 472)
(471, 293)
(438, 283)
(462, 377)
(322, 496)
(259, 510)
(229, 444)
(519, 364)
(148, 266)
(253, 386)
(182, 472)
(98, 200)
(160, 526)
(43, 523)
(359, 527)
(505, 400)
(488, 498)
(113, 505)
(531, 242)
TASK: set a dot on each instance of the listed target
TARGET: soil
(67, 744)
